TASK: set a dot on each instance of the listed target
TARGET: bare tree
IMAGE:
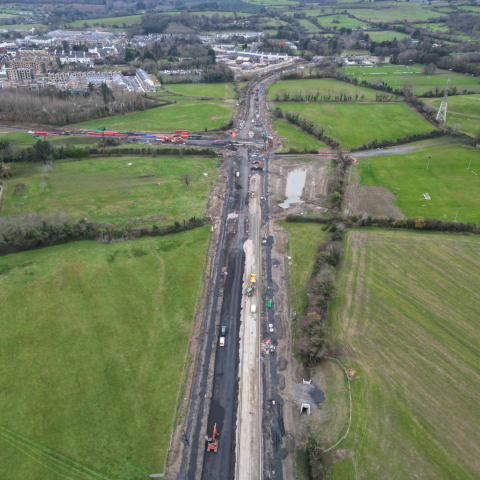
(5, 171)
(430, 69)
(186, 178)
(407, 88)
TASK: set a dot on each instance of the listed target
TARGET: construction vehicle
(177, 140)
(212, 443)
(66, 132)
(248, 292)
(253, 281)
(253, 194)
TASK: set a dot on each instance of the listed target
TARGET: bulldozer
(212, 443)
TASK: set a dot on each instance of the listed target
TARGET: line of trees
(318, 131)
(52, 107)
(32, 230)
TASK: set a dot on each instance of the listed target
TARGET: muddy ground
(370, 200)
(314, 193)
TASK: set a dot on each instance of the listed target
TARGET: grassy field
(108, 22)
(309, 26)
(393, 13)
(422, 83)
(344, 20)
(217, 90)
(109, 190)
(303, 248)
(298, 138)
(193, 115)
(326, 86)
(463, 110)
(386, 36)
(405, 318)
(447, 181)
(273, 3)
(93, 343)
(354, 124)
(28, 26)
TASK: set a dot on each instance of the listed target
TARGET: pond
(295, 183)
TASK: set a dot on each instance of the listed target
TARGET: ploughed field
(355, 124)
(92, 349)
(112, 191)
(406, 319)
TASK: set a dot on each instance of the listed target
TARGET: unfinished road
(228, 388)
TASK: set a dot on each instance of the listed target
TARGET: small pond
(295, 183)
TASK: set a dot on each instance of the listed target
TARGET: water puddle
(295, 183)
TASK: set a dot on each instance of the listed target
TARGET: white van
(253, 308)
(222, 341)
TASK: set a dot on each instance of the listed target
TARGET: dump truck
(212, 443)
(253, 281)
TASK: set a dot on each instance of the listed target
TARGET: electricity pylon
(442, 111)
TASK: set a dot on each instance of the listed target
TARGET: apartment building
(21, 75)
(39, 66)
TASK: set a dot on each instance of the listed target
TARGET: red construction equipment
(40, 133)
(212, 444)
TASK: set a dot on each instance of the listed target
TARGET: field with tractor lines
(406, 320)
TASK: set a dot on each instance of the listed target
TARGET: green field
(447, 181)
(303, 248)
(463, 110)
(405, 319)
(93, 344)
(298, 138)
(422, 83)
(216, 90)
(354, 124)
(28, 26)
(344, 20)
(309, 26)
(273, 3)
(326, 87)
(108, 22)
(193, 115)
(109, 190)
(387, 36)
(434, 27)
(211, 14)
(393, 13)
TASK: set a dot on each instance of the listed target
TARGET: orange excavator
(212, 443)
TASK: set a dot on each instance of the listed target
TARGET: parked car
(223, 330)
(218, 141)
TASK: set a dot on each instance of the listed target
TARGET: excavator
(212, 444)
